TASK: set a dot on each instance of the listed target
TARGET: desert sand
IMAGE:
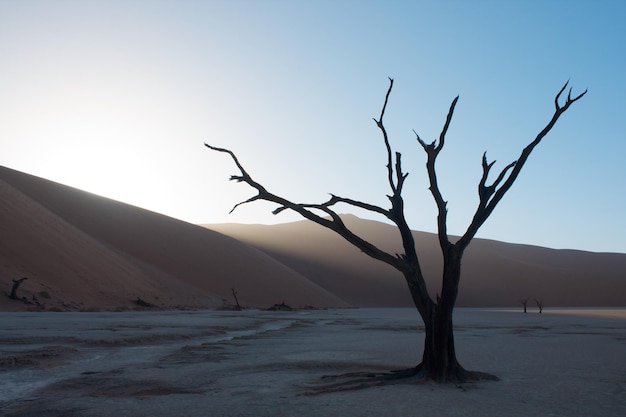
(258, 363)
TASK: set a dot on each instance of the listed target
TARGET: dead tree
(539, 305)
(238, 307)
(16, 285)
(524, 302)
(439, 361)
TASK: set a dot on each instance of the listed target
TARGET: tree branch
(485, 192)
(485, 208)
(335, 223)
(432, 152)
(366, 206)
(381, 126)
(442, 136)
(400, 176)
(325, 207)
(396, 213)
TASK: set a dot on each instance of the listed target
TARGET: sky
(118, 97)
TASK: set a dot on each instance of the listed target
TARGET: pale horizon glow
(117, 98)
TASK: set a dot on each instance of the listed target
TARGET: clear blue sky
(117, 98)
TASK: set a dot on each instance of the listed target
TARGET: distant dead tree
(236, 300)
(524, 302)
(539, 305)
(439, 361)
(16, 285)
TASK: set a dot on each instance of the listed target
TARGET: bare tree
(539, 305)
(238, 307)
(524, 302)
(16, 285)
(439, 361)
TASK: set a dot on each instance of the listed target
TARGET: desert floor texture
(260, 363)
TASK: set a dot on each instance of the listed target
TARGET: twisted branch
(492, 195)
(334, 223)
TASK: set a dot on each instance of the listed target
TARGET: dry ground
(254, 363)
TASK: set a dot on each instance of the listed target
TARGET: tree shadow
(353, 381)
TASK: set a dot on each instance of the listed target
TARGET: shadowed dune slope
(494, 273)
(83, 251)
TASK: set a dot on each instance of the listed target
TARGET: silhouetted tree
(238, 307)
(539, 305)
(439, 361)
(16, 285)
(524, 302)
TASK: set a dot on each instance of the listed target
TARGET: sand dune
(495, 273)
(91, 252)
(82, 251)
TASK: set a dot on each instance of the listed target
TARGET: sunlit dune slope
(494, 273)
(85, 251)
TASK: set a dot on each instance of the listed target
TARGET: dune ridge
(494, 273)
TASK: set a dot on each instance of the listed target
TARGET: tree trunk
(16, 285)
(439, 361)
